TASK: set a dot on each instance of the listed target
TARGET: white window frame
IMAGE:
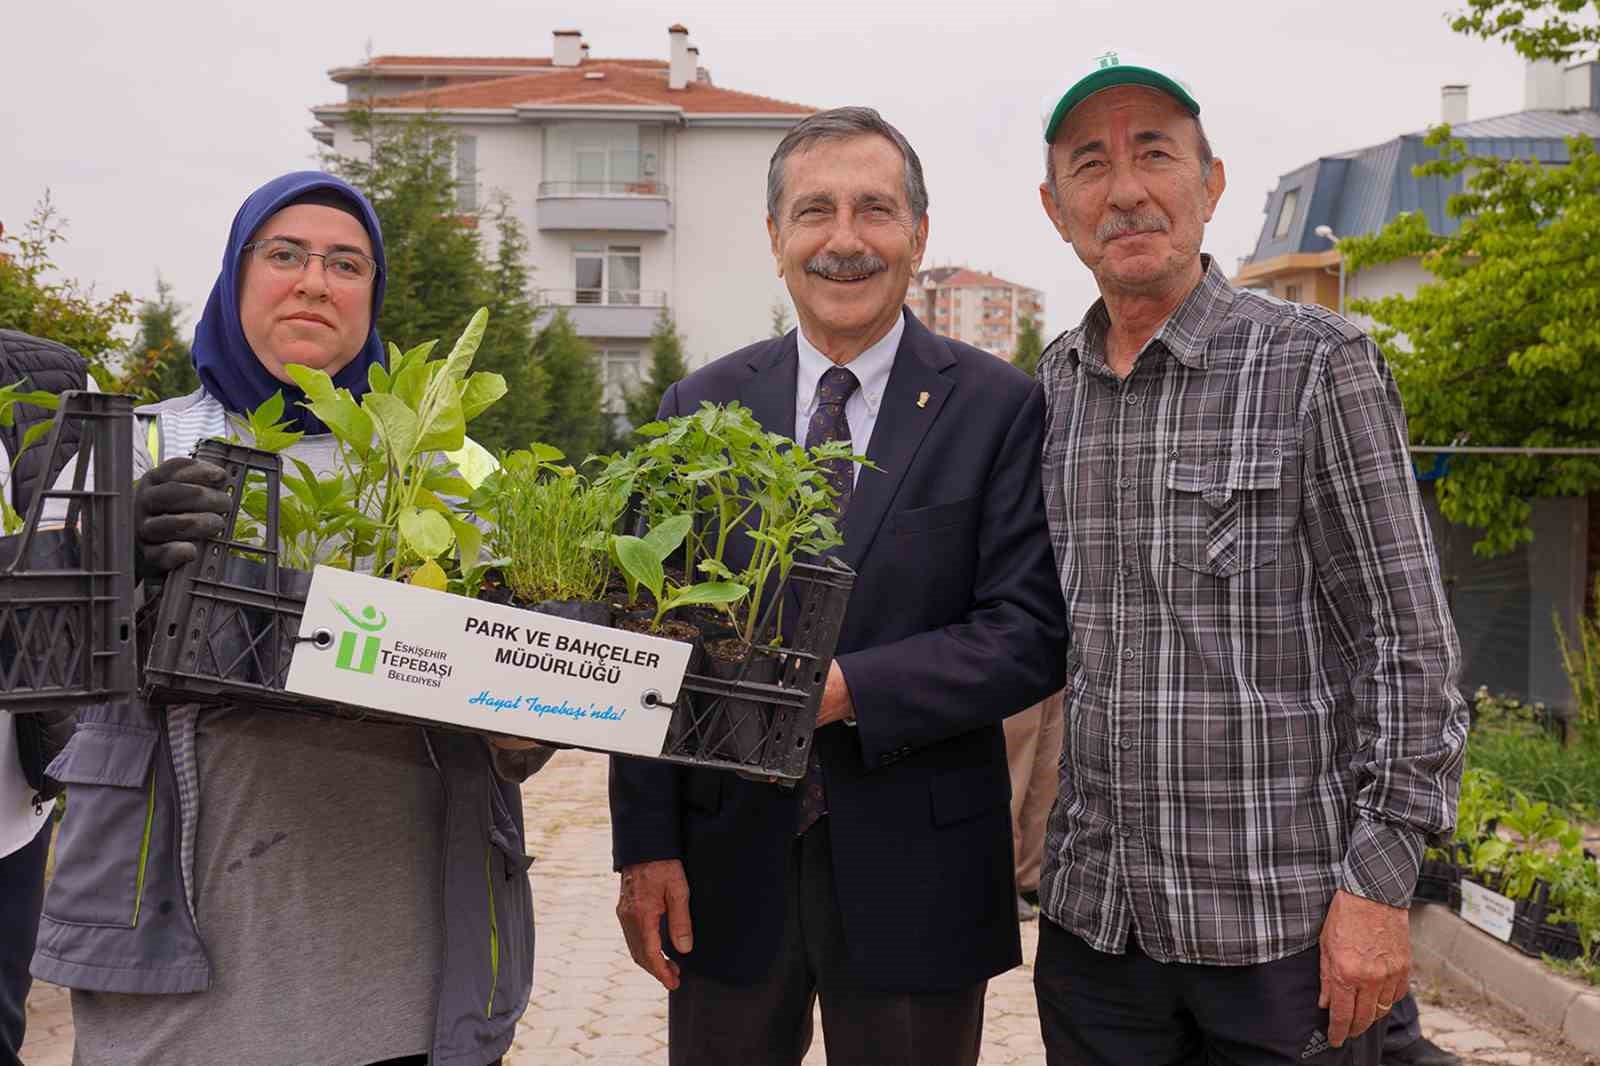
(606, 294)
(1286, 212)
(614, 396)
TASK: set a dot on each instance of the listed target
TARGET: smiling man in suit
(883, 883)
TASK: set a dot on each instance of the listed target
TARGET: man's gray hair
(843, 123)
(1207, 157)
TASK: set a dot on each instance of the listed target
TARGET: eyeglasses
(343, 267)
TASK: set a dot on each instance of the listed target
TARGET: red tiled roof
(966, 277)
(495, 61)
(621, 86)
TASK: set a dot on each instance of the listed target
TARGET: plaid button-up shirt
(1261, 701)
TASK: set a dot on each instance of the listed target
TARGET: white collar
(871, 367)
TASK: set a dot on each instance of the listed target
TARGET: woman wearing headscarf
(258, 887)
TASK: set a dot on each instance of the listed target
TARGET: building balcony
(621, 313)
(631, 206)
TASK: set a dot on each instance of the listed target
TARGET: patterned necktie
(828, 423)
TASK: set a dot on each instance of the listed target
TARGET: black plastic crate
(1532, 932)
(760, 720)
(224, 629)
(66, 595)
(1439, 881)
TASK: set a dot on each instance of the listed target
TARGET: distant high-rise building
(973, 307)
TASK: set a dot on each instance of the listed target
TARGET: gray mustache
(845, 265)
(1123, 224)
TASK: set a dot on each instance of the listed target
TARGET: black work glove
(176, 505)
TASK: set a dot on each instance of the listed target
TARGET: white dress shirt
(871, 369)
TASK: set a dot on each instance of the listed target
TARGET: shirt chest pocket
(1226, 515)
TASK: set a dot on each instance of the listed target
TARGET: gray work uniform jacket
(115, 917)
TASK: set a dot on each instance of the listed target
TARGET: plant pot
(734, 728)
(1439, 881)
(637, 620)
(594, 612)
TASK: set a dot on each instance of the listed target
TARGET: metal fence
(643, 187)
(602, 297)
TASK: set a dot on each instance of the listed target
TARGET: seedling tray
(225, 628)
(66, 594)
(760, 720)
(1532, 932)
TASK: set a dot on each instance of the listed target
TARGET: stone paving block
(562, 1043)
(569, 1018)
(1582, 1024)
(626, 1025)
(593, 968)
(53, 1054)
(1471, 1041)
(1440, 1020)
(534, 1036)
(618, 1046)
(1506, 1058)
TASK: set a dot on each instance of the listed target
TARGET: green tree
(1030, 345)
(34, 299)
(667, 367)
(1502, 348)
(159, 365)
(780, 319)
(438, 269)
(572, 419)
(508, 347)
(1538, 29)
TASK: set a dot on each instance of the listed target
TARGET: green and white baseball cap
(1111, 68)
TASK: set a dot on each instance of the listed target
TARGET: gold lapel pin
(922, 399)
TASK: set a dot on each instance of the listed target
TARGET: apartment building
(640, 182)
(974, 307)
(1358, 192)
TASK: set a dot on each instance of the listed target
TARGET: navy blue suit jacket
(956, 621)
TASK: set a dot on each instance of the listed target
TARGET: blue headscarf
(226, 363)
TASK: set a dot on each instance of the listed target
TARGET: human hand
(649, 890)
(1366, 963)
(176, 505)
(836, 705)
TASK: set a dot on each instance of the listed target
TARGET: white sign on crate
(1488, 910)
(433, 655)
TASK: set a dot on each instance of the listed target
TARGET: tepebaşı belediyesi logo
(358, 649)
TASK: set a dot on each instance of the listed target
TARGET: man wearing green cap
(1264, 730)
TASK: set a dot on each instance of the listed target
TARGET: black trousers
(768, 1023)
(1109, 1010)
(1403, 1027)
(21, 897)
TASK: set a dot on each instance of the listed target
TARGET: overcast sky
(150, 123)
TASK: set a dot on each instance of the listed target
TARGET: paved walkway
(592, 1007)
